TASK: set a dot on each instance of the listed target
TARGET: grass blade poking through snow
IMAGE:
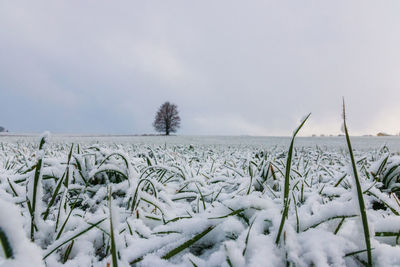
(113, 248)
(68, 251)
(247, 237)
(7, 249)
(53, 197)
(36, 185)
(74, 236)
(359, 191)
(287, 180)
(187, 244)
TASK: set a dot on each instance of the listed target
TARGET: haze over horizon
(233, 68)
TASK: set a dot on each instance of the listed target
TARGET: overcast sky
(232, 67)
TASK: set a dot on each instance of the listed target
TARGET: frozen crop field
(364, 143)
(197, 201)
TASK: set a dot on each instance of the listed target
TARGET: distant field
(197, 201)
(361, 143)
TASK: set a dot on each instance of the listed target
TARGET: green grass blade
(12, 188)
(287, 181)
(340, 180)
(118, 155)
(247, 237)
(201, 196)
(8, 251)
(35, 189)
(135, 196)
(235, 212)
(113, 247)
(68, 251)
(74, 236)
(53, 197)
(66, 220)
(66, 180)
(359, 191)
(187, 244)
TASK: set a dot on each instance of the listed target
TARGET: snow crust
(165, 196)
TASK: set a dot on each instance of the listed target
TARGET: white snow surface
(181, 202)
(25, 252)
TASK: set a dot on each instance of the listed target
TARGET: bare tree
(167, 119)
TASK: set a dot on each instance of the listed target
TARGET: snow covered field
(364, 143)
(196, 201)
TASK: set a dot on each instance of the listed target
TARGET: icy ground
(195, 201)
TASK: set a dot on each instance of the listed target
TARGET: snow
(197, 186)
(25, 252)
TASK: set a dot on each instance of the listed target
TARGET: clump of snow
(25, 252)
